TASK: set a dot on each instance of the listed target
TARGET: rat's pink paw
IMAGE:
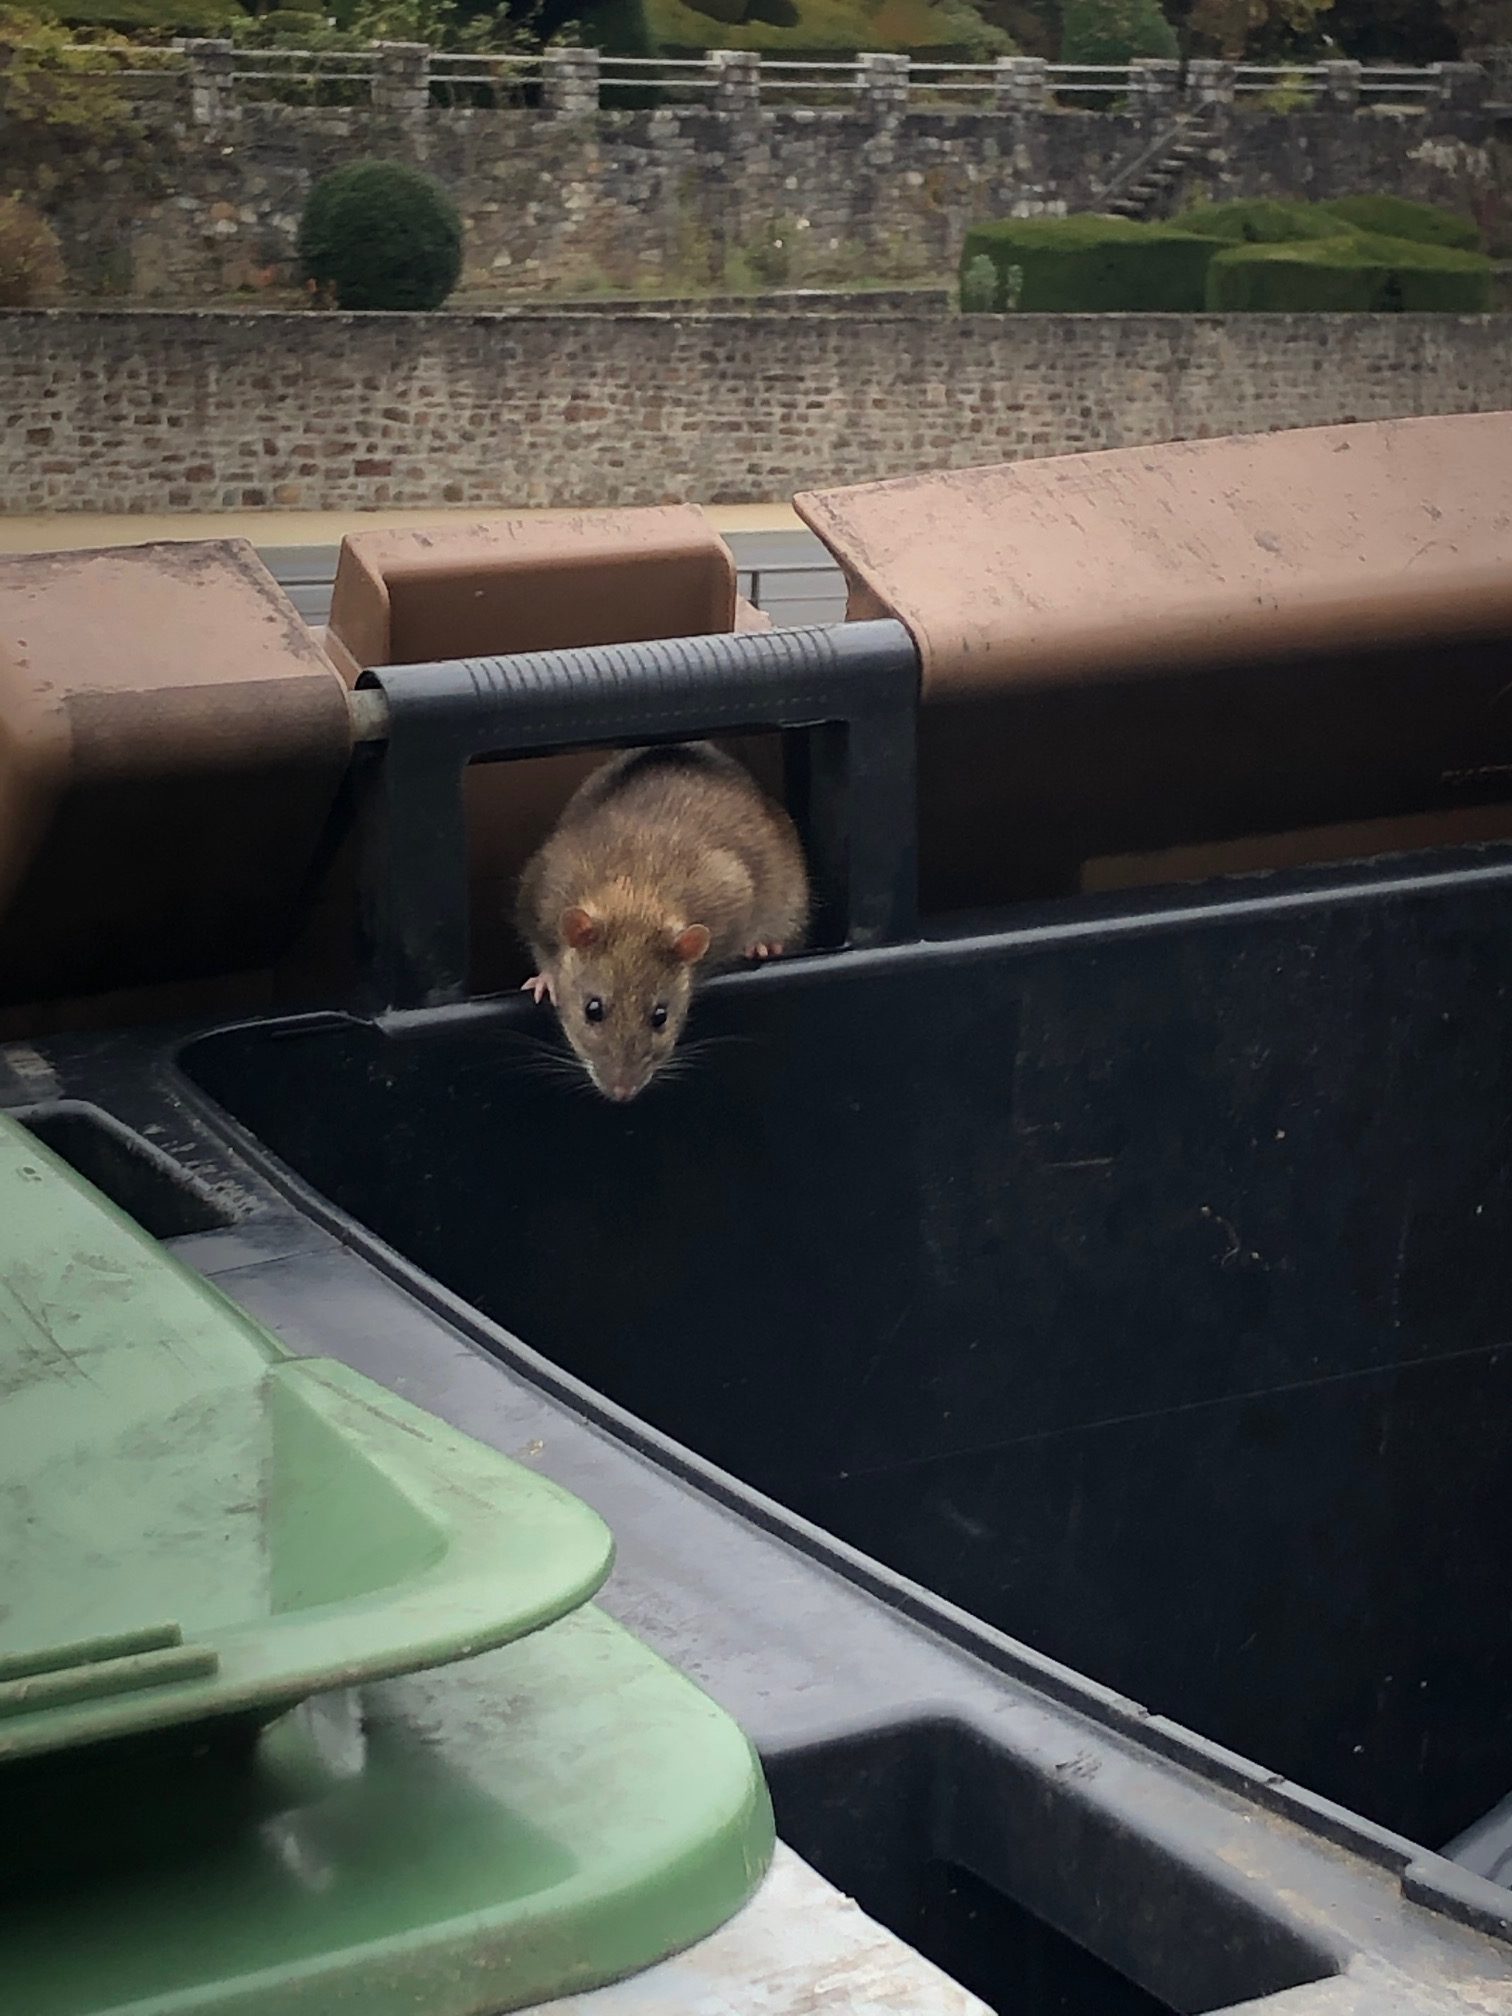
(764, 950)
(539, 986)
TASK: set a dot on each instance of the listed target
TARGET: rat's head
(622, 989)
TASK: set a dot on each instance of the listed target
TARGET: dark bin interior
(1140, 1285)
(945, 1838)
(145, 1183)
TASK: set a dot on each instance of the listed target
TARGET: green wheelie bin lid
(199, 1524)
(213, 1555)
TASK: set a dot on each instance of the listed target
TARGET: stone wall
(146, 411)
(693, 197)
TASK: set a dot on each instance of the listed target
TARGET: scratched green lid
(481, 1837)
(197, 1525)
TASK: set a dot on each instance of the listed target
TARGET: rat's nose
(620, 1093)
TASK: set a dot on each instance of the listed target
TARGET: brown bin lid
(1090, 567)
(171, 741)
(411, 595)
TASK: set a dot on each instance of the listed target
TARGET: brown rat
(665, 863)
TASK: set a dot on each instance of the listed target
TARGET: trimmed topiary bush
(379, 234)
(1396, 217)
(31, 266)
(1260, 220)
(1090, 264)
(1352, 274)
(931, 31)
(618, 28)
(1111, 31)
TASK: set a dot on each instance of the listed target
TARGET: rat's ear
(691, 943)
(579, 929)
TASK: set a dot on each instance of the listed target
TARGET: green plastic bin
(199, 1524)
(213, 1555)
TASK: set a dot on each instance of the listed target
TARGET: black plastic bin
(1138, 1281)
(1133, 1278)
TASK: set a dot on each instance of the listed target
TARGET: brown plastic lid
(411, 595)
(171, 741)
(1198, 553)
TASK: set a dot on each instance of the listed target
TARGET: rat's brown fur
(664, 860)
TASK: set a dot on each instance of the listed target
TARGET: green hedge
(1261, 254)
(1352, 274)
(1418, 223)
(1091, 264)
(801, 31)
(1259, 220)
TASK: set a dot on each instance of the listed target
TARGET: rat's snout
(621, 1086)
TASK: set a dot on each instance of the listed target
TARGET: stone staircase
(1143, 185)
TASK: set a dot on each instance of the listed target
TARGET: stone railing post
(570, 82)
(401, 78)
(212, 88)
(737, 81)
(1210, 81)
(1153, 83)
(1019, 84)
(1462, 87)
(882, 85)
(1341, 86)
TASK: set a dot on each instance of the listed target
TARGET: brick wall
(690, 197)
(146, 411)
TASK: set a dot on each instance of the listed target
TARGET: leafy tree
(1479, 24)
(64, 107)
(1113, 31)
(1239, 28)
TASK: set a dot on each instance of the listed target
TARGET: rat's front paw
(764, 950)
(538, 985)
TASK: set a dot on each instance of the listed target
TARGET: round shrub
(1112, 31)
(31, 266)
(1260, 220)
(1418, 223)
(379, 234)
(1350, 274)
(1090, 265)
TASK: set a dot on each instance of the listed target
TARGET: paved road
(788, 574)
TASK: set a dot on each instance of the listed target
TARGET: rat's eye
(593, 1008)
(659, 1015)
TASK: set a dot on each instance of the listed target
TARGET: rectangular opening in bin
(146, 1184)
(1139, 1287)
(1030, 1899)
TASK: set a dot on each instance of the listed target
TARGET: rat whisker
(552, 1053)
(711, 1050)
(679, 1066)
(549, 1065)
(524, 1040)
